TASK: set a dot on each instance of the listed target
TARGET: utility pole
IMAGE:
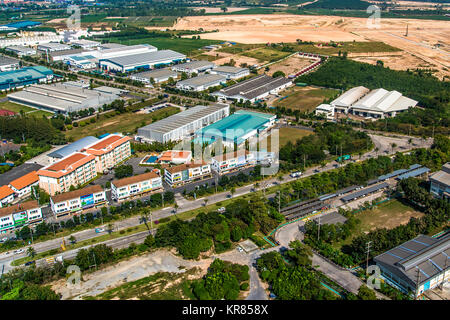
(367, 259)
(151, 222)
(279, 201)
(318, 231)
(162, 195)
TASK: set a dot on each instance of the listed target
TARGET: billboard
(20, 217)
(241, 161)
(87, 200)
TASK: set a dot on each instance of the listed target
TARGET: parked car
(19, 251)
(29, 263)
(98, 230)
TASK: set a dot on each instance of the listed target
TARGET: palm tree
(110, 228)
(205, 201)
(232, 191)
(31, 252)
(176, 207)
(144, 219)
(72, 239)
(393, 145)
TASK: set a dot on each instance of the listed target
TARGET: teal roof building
(24, 76)
(236, 128)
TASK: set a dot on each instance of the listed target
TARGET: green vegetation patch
(266, 54)
(304, 99)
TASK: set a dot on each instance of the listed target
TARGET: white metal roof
(350, 96)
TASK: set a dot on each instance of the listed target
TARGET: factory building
(78, 200)
(194, 67)
(21, 51)
(231, 72)
(8, 64)
(417, 265)
(61, 98)
(85, 44)
(146, 60)
(158, 75)
(201, 82)
(53, 46)
(24, 77)
(136, 185)
(183, 124)
(30, 41)
(254, 88)
(326, 110)
(440, 182)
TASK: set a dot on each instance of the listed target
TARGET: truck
(344, 157)
(296, 174)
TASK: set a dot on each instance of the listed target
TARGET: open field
(28, 110)
(292, 135)
(126, 122)
(218, 10)
(303, 98)
(291, 65)
(220, 58)
(423, 35)
(265, 54)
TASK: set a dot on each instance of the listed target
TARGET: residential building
(158, 75)
(20, 215)
(230, 161)
(201, 82)
(78, 200)
(136, 185)
(254, 89)
(230, 72)
(185, 173)
(21, 51)
(175, 156)
(417, 265)
(67, 150)
(191, 67)
(6, 196)
(22, 186)
(76, 169)
(24, 77)
(183, 125)
(440, 182)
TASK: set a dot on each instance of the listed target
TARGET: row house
(185, 173)
(136, 185)
(78, 200)
(19, 215)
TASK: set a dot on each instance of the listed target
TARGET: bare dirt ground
(225, 57)
(396, 62)
(291, 65)
(427, 40)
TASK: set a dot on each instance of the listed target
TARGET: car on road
(296, 174)
(316, 170)
(4, 239)
(29, 263)
(98, 230)
(19, 251)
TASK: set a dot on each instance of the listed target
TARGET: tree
(278, 73)
(123, 171)
(364, 293)
(224, 9)
(72, 239)
(144, 219)
(31, 252)
(232, 191)
(110, 228)
(205, 201)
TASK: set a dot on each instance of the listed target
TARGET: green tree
(364, 293)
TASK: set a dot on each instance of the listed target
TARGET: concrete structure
(378, 103)
(85, 44)
(8, 64)
(440, 182)
(231, 72)
(201, 82)
(6, 196)
(21, 51)
(30, 41)
(145, 60)
(22, 186)
(236, 128)
(24, 77)
(81, 62)
(197, 66)
(71, 148)
(136, 185)
(61, 98)
(63, 55)
(183, 124)
(122, 51)
(175, 156)
(20, 215)
(254, 88)
(158, 75)
(53, 46)
(231, 161)
(417, 265)
(112, 45)
(326, 110)
(185, 173)
(77, 200)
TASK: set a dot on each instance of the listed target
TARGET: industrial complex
(24, 76)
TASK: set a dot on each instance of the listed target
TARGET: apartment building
(78, 200)
(19, 215)
(75, 169)
(22, 186)
(185, 173)
(6, 196)
(131, 186)
(230, 161)
(109, 151)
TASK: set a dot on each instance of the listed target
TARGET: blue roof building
(73, 147)
(24, 76)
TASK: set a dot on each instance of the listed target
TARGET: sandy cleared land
(225, 57)
(423, 35)
(291, 65)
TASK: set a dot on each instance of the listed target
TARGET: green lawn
(355, 47)
(292, 135)
(304, 98)
(265, 54)
(126, 122)
(8, 105)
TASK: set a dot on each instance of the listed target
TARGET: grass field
(126, 122)
(288, 134)
(240, 47)
(264, 54)
(304, 98)
(18, 107)
(356, 47)
(183, 45)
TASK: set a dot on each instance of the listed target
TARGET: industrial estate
(245, 158)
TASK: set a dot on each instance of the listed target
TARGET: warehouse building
(136, 185)
(158, 75)
(20, 215)
(85, 44)
(29, 41)
(417, 265)
(186, 173)
(194, 67)
(231, 72)
(145, 60)
(8, 64)
(122, 51)
(440, 182)
(236, 128)
(63, 55)
(61, 98)
(112, 45)
(21, 51)
(254, 88)
(24, 77)
(201, 82)
(344, 101)
(53, 46)
(71, 148)
(78, 200)
(183, 124)
(81, 62)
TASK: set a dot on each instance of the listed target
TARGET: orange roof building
(132, 186)
(6, 195)
(175, 156)
(185, 173)
(22, 186)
